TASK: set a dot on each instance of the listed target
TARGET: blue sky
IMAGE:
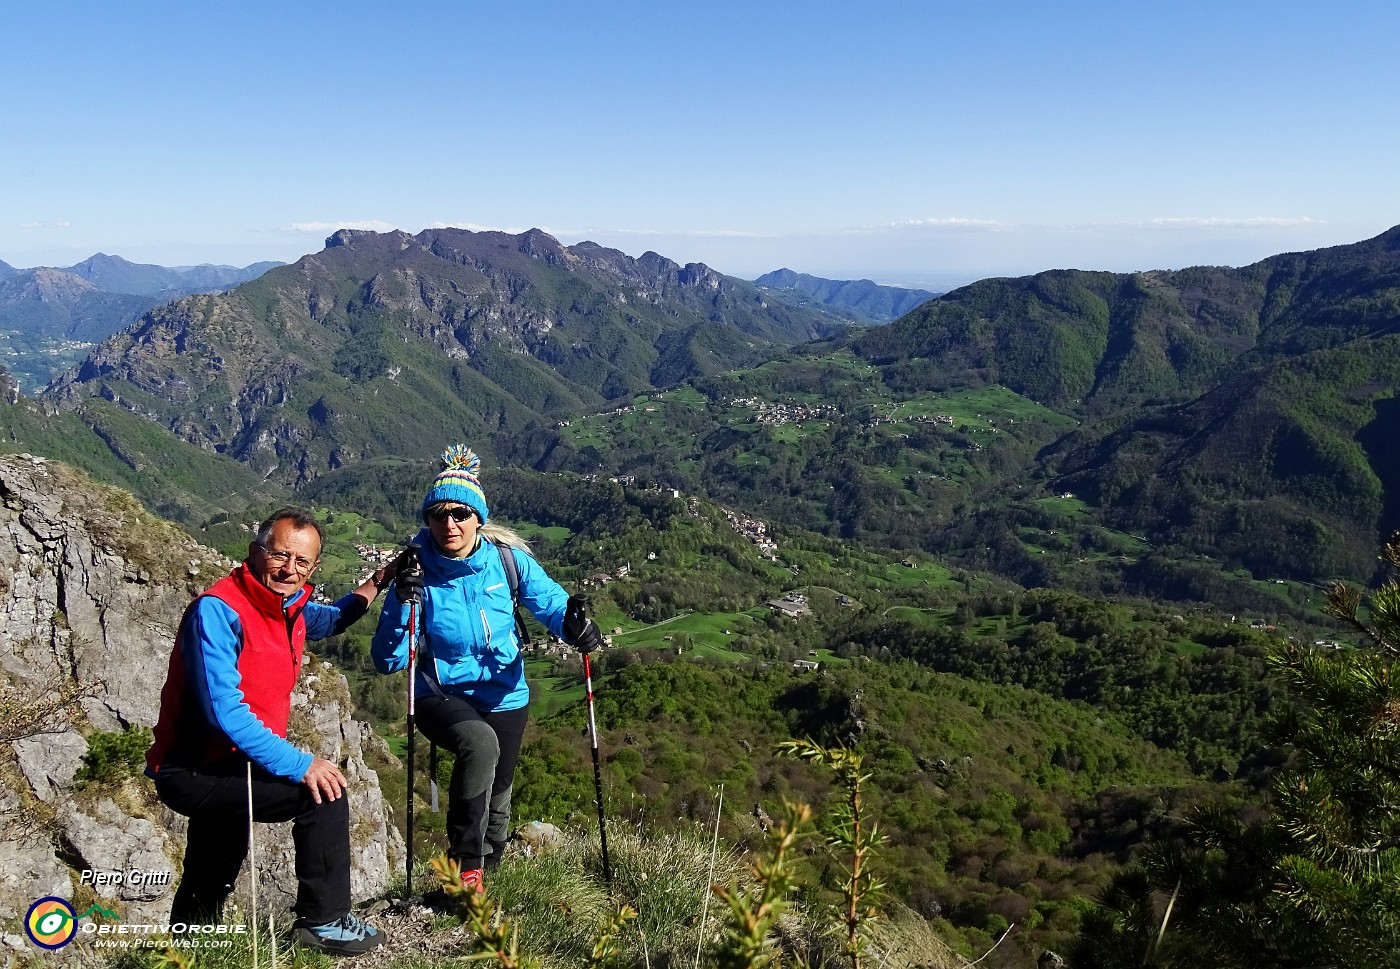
(911, 143)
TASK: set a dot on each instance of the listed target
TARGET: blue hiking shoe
(348, 935)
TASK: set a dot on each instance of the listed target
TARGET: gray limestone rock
(29, 870)
(120, 856)
(49, 761)
(539, 836)
(91, 591)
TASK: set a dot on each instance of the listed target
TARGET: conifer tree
(1319, 878)
(1338, 802)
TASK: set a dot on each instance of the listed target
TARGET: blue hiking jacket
(467, 639)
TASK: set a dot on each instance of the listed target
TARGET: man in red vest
(226, 701)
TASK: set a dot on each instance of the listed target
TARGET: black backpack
(513, 580)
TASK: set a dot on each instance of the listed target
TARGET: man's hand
(408, 582)
(580, 632)
(388, 573)
(408, 558)
(324, 780)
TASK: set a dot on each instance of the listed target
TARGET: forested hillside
(1022, 743)
(1235, 413)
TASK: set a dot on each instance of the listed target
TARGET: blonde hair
(501, 535)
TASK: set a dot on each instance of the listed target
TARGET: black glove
(580, 632)
(408, 583)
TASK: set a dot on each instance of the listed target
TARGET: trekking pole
(253, 868)
(597, 769)
(412, 664)
(414, 595)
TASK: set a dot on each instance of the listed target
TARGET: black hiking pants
(486, 747)
(216, 802)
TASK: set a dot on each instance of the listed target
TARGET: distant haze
(934, 257)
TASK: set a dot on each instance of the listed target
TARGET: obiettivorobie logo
(51, 922)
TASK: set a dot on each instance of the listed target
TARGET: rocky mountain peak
(395, 239)
(57, 285)
(538, 244)
(514, 324)
(657, 264)
(666, 273)
(778, 279)
(99, 262)
(700, 276)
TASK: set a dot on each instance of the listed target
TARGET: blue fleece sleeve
(210, 641)
(389, 648)
(545, 598)
(329, 620)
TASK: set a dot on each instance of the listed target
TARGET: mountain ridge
(1211, 418)
(45, 311)
(485, 330)
(864, 300)
(113, 274)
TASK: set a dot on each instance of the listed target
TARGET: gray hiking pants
(486, 747)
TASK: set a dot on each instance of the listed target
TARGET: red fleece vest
(269, 660)
(273, 641)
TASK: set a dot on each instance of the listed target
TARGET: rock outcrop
(91, 590)
(9, 387)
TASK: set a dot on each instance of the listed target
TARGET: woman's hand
(580, 632)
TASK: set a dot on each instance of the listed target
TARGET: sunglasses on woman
(458, 515)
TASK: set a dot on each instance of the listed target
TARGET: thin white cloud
(379, 225)
(1265, 222)
(373, 225)
(475, 227)
(664, 233)
(1208, 222)
(59, 224)
(948, 223)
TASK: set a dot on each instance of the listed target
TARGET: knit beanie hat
(457, 482)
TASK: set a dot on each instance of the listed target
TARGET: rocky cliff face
(91, 590)
(9, 387)
(349, 353)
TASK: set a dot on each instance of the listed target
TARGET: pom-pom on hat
(457, 482)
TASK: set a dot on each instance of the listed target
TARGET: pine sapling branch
(849, 834)
(498, 939)
(755, 911)
(605, 948)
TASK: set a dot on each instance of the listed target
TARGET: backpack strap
(513, 580)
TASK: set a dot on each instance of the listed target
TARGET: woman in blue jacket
(470, 692)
